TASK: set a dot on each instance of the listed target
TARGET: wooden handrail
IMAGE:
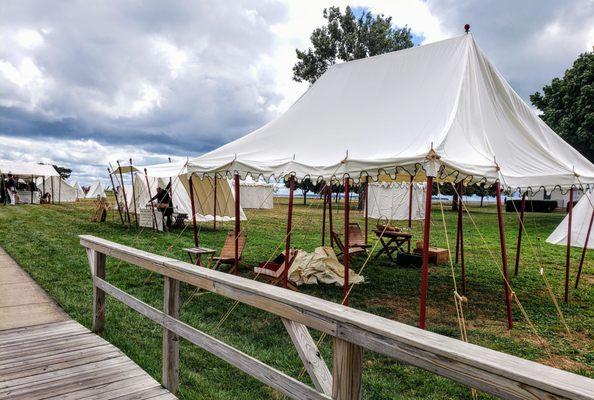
(493, 372)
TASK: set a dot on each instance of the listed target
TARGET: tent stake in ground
(237, 226)
(116, 198)
(133, 193)
(124, 194)
(346, 255)
(520, 231)
(510, 323)
(289, 228)
(579, 271)
(568, 251)
(191, 185)
(425, 265)
(148, 188)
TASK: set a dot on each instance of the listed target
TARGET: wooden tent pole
(510, 323)
(410, 204)
(148, 188)
(289, 228)
(237, 225)
(191, 186)
(214, 212)
(42, 186)
(346, 254)
(568, 251)
(116, 197)
(584, 249)
(52, 183)
(124, 193)
(31, 187)
(325, 197)
(133, 194)
(425, 265)
(330, 222)
(520, 231)
(60, 189)
(366, 210)
(461, 236)
(458, 222)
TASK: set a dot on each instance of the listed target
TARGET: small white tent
(96, 190)
(580, 222)
(256, 194)
(391, 201)
(62, 191)
(80, 193)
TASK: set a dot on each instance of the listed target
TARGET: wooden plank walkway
(46, 355)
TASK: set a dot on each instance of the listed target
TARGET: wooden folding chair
(227, 255)
(358, 246)
(273, 270)
(356, 237)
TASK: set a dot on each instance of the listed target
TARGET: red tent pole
(510, 323)
(568, 252)
(425, 267)
(461, 236)
(191, 185)
(330, 216)
(345, 254)
(579, 272)
(214, 215)
(520, 231)
(458, 222)
(289, 228)
(366, 209)
(324, 196)
(410, 203)
(237, 226)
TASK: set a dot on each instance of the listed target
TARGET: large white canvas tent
(580, 222)
(158, 176)
(95, 190)
(27, 169)
(62, 191)
(256, 194)
(438, 105)
(391, 201)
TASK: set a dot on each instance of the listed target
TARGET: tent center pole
(520, 231)
(237, 225)
(582, 258)
(510, 323)
(289, 228)
(425, 265)
(568, 251)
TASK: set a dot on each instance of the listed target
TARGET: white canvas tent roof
(391, 201)
(80, 193)
(385, 114)
(159, 175)
(27, 169)
(580, 221)
(63, 192)
(95, 190)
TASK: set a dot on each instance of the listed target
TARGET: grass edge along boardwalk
(44, 354)
(44, 240)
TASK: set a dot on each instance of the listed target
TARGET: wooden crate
(437, 255)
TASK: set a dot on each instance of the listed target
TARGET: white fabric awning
(385, 114)
(27, 169)
(580, 221)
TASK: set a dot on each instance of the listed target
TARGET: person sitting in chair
(164, 204)
(46, 198)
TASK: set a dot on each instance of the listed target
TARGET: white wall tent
(63, 192)
(27, 169)
(256, 194)
(580, 221)
(95, 190)
(391, 201)
(159, 175)
(80, 193)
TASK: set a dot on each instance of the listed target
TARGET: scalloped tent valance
(382, 116)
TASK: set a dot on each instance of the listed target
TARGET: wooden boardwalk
(44, 354)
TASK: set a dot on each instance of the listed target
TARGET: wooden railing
(352, 331)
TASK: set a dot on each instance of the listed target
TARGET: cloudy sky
(86, 83)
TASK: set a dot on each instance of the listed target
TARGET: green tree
(347, 38)
(567, 105)
(63, 171)
(306, 186)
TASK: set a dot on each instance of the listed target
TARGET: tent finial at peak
(467, 28)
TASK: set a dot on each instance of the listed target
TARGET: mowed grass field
(43, 239)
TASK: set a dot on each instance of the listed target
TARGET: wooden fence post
(170, 339)
(347, 370)
(98, 260)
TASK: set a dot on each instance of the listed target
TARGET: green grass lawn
(43, 239)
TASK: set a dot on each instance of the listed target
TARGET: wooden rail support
(98, 266)
(170, 339)
(348, 368)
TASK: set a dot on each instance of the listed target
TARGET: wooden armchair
(227, 255)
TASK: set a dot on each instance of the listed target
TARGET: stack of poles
(117, 200)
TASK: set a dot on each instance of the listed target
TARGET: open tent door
(204, 199)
